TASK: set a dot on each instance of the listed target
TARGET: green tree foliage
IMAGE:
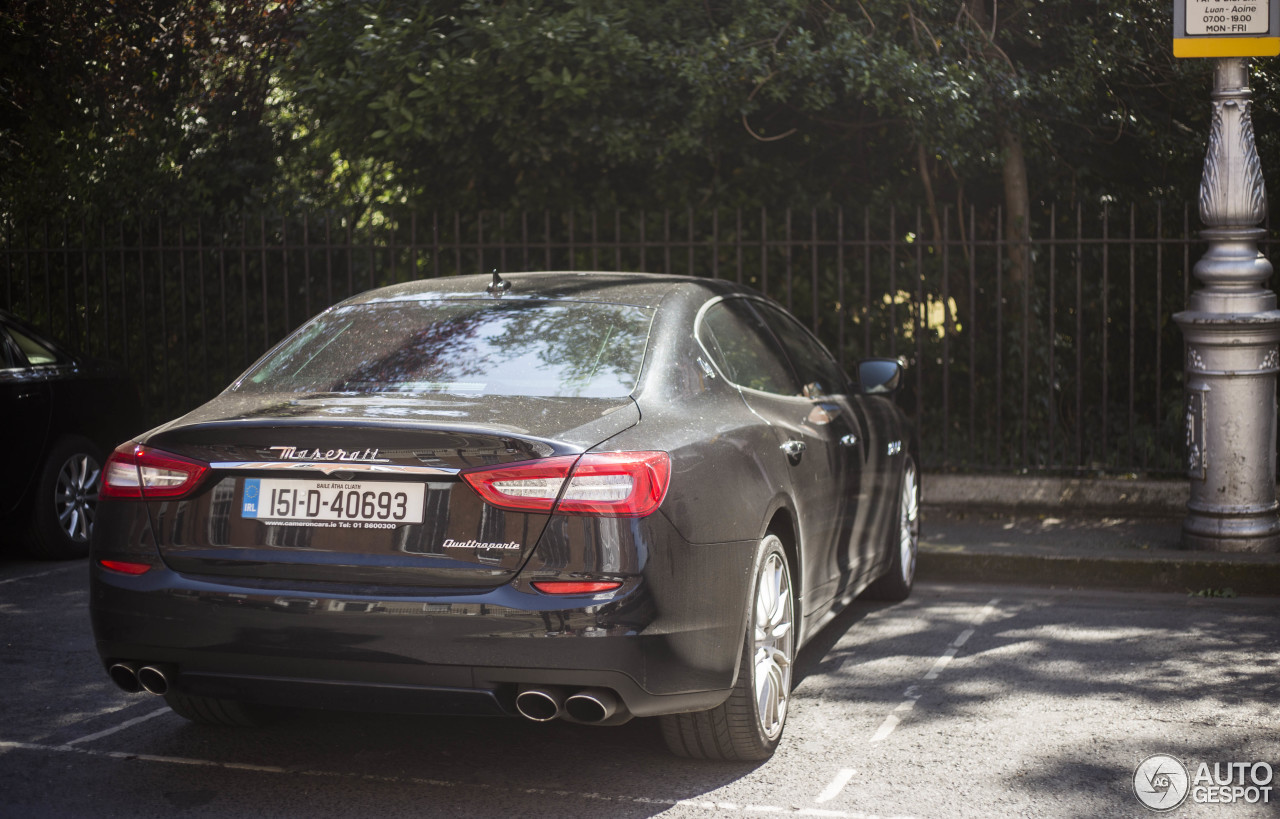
(647, 103)
(136, 103)
(199, 107)
(463, 103)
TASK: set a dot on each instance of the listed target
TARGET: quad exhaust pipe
(545, 703)
(131, 677)
(125, 676)
(540, 704)
(591, 705)
(154, 679)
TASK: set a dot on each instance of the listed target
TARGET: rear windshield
(489, 347)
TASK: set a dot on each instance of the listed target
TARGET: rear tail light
(125, 567)
(605, 484)
(135, 471)
(532, 486)
(617, 484)
(576, 586)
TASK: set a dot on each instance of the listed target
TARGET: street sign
(1222, 28)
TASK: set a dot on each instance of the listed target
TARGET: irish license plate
(337, 502)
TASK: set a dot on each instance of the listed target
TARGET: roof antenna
(499, 285)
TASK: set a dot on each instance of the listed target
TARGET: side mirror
(880, 376)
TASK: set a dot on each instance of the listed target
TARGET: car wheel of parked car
(215, 711)
(748, 725)
(904, 544)
(65, 501)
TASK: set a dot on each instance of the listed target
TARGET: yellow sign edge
(1226, 46)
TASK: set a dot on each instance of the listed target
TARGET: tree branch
(781, 136)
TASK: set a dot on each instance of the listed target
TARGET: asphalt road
(966, 700)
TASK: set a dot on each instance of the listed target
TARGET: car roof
(637, 289)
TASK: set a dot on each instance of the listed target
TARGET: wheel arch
(783, 524)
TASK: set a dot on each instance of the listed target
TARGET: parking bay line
(833, 790)
(129, 723)
(912, 694)
(58, 570)
(697, 804)
(845, 775)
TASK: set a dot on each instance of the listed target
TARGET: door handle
(849, 440)
(793, 448)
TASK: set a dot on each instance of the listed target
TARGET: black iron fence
(1069, 362)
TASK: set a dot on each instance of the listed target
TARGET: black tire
(215, 711)
(739, 729)
(66, 499)
(903, 541)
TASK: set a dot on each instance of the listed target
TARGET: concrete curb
(1179, 572)
(1004, 554)
(1026, 493)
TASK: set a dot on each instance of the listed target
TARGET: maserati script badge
(292, 453)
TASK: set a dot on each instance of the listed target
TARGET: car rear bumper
(668, 641)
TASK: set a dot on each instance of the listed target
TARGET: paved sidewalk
(1082, 548)
(1076, 532)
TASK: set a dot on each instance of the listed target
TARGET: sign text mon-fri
(1221, 28)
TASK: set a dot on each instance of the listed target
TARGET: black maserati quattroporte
(586, 496)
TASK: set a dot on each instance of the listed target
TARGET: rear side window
(36, 353)
(743, 348)
(815, 367)
(469, 347)
(9, 356)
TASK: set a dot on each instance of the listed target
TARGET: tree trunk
(926, 179)
(1017, 194)
(1017, 203)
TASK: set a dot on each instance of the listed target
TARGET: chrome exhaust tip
(154, 679)
(125, 676)
(540, 704)
(591, 705)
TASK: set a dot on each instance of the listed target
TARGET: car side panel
(722, 474)
(887, 445)
(817, 477)
(728, 477)
(24, 434)
(721, 487)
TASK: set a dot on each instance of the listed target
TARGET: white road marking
(837, 785)
(129, 723)
(58, 570)
(715, 807)
(986, 612)
(132, 704)
(954, 648)
(941, 663)
(886, 728)
(913, 693)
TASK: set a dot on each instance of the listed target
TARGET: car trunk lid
(363, 490)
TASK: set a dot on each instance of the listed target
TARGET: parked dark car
(559, 495)
(62, 412)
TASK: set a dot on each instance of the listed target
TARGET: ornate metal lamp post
(1232, 329)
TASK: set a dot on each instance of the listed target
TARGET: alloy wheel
(774, 642)
(909, 524)
(76, 496)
